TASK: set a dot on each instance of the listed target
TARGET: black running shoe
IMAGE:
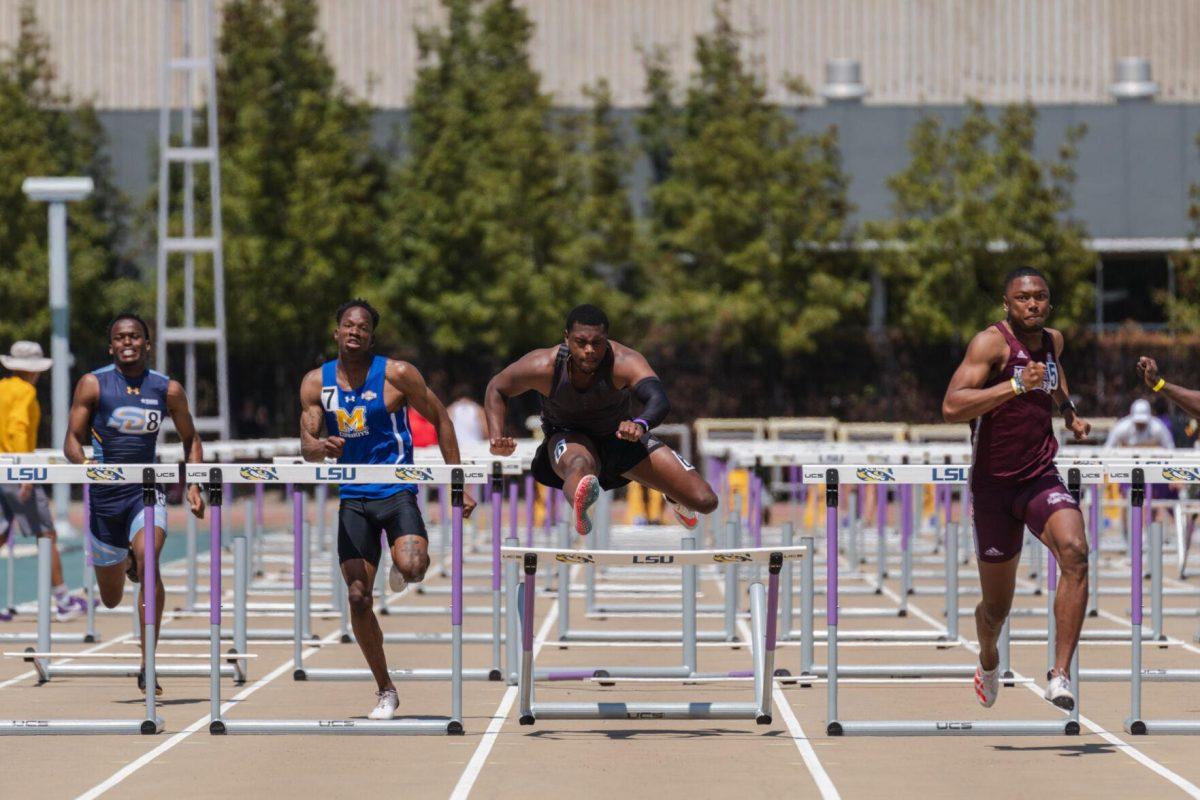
(131, 570)
(142, 684)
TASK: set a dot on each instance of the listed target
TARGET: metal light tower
(58, 192)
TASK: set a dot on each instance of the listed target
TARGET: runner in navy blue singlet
(593, 439)
(355, 411)
(1006, 387)
(119, 410)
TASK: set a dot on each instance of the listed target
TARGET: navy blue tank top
(125, 428)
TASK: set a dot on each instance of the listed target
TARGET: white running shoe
(386, 707)
(987, 685)
(1058, 691)
(686, 516)
(397, 583)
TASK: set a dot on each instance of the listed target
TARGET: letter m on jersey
(352, 423)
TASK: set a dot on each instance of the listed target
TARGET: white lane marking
(799, 737)
(146, 758)
(1137, 755)
(471, 772)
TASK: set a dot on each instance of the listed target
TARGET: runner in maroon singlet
(593, 440)
(1006, 388)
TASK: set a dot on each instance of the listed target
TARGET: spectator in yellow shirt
(26, 508)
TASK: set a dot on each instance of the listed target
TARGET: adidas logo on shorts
(991, 551)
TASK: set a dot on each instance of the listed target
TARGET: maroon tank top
(597, 410)
(1014, 442)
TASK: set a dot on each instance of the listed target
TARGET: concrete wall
(1135, 164)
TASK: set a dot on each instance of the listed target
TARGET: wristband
(1017, 386)
(1067, 406)
(1158, 386)
(645, 425)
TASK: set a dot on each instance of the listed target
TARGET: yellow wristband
(1161, 383)
(1016, 385)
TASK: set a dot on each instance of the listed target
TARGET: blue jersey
(372, 434)
(125, 428)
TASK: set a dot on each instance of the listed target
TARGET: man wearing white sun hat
(26, 509)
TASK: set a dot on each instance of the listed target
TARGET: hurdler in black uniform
(593, 441)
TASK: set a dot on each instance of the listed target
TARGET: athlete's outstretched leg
(410, 555)
(1064, 536)
(997, 583)
(160, 595)
(667, 472)
(575, 461)
(360, 581)
(111, 583)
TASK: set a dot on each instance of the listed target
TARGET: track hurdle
(457, 477)
(494, 638)
(1139, 477)
(833, 478)
(764, 605)
(148, 475)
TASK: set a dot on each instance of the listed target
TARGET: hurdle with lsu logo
(213, 476)
(764, 605)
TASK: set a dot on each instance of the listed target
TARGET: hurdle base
(895, 671)
(638, 711)
(636, 636)
(360, 674)
(1064, 727)
(588, 673)
(1148, 675)
(131, 670)
(55, 638)
(1143, 727)
(411, 726)
(79, 727)
(265, 634)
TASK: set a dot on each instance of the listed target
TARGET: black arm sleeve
(655, 405)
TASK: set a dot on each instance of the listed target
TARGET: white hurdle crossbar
(456, 476)
(764, 604)
(149, 476)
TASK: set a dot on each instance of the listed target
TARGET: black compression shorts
(617, 457)
(362, 521)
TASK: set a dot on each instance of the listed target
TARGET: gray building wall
(1135, 164)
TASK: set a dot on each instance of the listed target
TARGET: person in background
(469, 421)
(1140, 429)
(26, 505)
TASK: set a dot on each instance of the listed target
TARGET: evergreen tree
(483, 217)
(974, 203)
(301, 190)
(44, 133)
(746, 212)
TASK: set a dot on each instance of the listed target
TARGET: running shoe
(65, 610)
(389, 701)
(397, 583)
(5, 616)
(686, 516)
(142, 683)
(987, 685)
(131, 571)
(586, 495)
(1058, 691)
